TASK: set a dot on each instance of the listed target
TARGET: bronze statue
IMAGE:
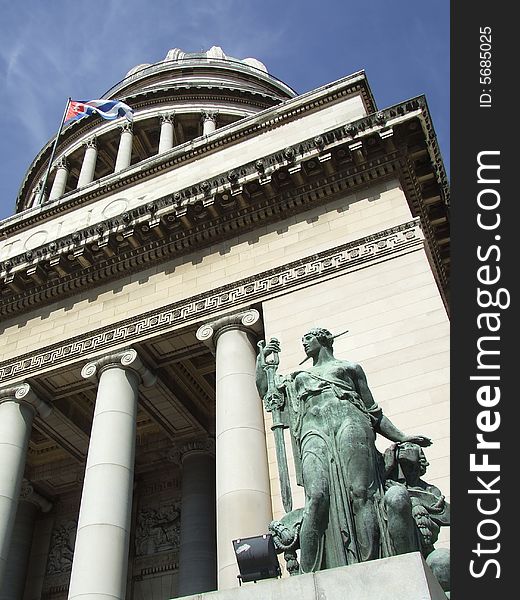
(405, 464)
(333, 421)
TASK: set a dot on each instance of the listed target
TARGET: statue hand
(273, 346)
(420, 440)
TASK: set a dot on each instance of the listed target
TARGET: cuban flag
(108, 109)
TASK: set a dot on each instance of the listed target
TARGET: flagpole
(53, 152)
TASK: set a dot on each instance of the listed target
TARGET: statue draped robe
(329, 421)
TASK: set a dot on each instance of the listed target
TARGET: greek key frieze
(349, 256)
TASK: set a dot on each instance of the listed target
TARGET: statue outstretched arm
(384, 426)
(388, 430)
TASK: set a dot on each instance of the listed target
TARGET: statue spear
(273, 403)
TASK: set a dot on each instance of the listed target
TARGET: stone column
(88, 166)
(197, 553)
(38, 197)
(18, 405)
(38, 557)
(15, 576)
(166, 138)
(99, 567)
(243, 490)
(209, 122)
(60, 179)
(124, 152)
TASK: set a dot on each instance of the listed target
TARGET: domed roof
(206, 69)
(188, 84)
(215, 52)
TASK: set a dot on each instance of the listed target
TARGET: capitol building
(136, 284)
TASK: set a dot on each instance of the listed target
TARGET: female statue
(333, 420)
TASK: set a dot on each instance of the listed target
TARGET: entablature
(397, 142)
(188, 312)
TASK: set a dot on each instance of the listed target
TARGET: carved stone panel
(62, 548)
(158, 529)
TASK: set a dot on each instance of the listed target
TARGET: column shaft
(166, 138)
(208, 126)
(38, 558)
(15, 426)
(16, 569)
(60, 180)
(100, 560)
(197, 553)
(124, 152)
(37, 196)
(243, 489)
(209, 122)
(88, 166)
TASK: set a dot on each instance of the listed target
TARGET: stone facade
(132, 301)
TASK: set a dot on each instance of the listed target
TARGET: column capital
(24, 394)
(209, 115)
(204, 445)
(127, 359)
(127, 127)
(28, 494)
(247, 320)
(62, 163)
(90, 142)
(167, 117)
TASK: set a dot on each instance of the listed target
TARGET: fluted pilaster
(197, 553)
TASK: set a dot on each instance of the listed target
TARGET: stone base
(405, 577)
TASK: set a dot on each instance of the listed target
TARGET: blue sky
(52, 49)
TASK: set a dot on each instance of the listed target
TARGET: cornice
(91, 124)
(270, 189)
(312, 269)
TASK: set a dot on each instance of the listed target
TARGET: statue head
(322, 335)
(408, 452)
(404, 454)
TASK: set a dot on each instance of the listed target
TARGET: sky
(53, 49)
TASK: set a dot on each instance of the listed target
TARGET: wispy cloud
(50, 51)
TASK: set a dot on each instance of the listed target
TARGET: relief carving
(62, 548)
(158, 529)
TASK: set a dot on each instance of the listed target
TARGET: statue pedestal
(404, 577)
